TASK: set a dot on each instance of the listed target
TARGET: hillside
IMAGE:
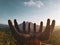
(3, 26)
(55, 38)
(31, 26)
(7, 38)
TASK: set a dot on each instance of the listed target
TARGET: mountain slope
(3, 26)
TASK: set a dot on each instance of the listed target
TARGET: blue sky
(29, 10)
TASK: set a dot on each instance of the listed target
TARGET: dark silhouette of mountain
(3, 26)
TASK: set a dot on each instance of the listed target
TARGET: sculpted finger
(41, 27)
(28, 27)
(10, 24)
(16, 25)
(24, 27)
(47, 25)
(34, 27)
(52, 25)
(48, 22)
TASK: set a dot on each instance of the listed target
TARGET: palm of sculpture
(31, 39)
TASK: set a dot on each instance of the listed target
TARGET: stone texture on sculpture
(25, 37)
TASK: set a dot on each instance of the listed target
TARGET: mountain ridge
(31, 26)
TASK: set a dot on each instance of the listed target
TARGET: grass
(6, 38)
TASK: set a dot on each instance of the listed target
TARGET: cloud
(34, 3)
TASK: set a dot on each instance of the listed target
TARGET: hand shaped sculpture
(31, 38)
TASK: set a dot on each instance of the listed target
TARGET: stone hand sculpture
(25, 37)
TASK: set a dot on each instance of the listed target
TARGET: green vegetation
(6, 37)
(55, 38)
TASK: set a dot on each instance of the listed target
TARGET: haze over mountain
(31, 26)
(3, 26)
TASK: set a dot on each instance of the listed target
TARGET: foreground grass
(6, 38)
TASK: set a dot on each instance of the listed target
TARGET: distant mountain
(3, 26)
(37, 26)
(57, 28)
(31, 26)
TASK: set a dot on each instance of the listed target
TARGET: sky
(29, 10)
